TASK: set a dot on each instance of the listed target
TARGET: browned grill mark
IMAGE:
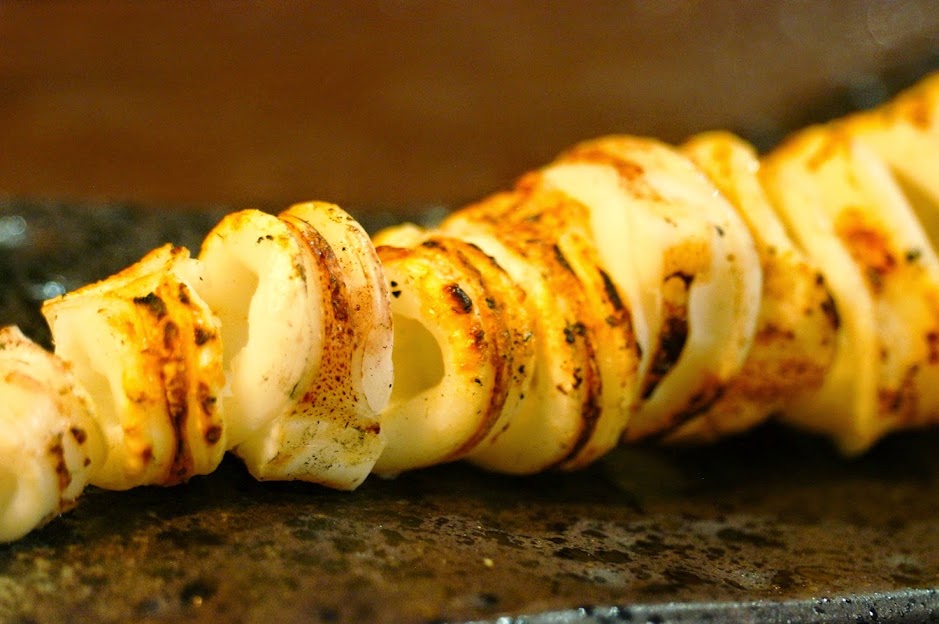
(581, 332)
(578, 376)
(672, 339)
(533, 238)
(170, 336)
(902, 401)
(699, 403)
(183, 295)
(175, 377)
(621, 316)
(177, 388)
(207, 400)
(57, 452)
(213, 434)
(462, 304)
(591, 409)
(684, 277)
(673, 334)
(329, 264)
(182, 465)
(373, 428)
(562, 260)
(153, 304)
(202, 335)
(485, 275)
(79, 434)
(631, 173)
(867, 245)
(498, 394)
(612, 293)
(771, 332)
(573, 330)
(492, 278)
(932, 345)
(830, 310)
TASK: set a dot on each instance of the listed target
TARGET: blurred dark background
(397, 103)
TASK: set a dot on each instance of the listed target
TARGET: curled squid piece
(147, 350)
(50, 443)
(563, 381)
(463, 349)
(796, 328)
(848, 212)
(586, 359)
(307, 331)
(685, 262)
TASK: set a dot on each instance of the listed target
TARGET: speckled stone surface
(768, 527)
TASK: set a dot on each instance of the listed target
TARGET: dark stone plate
(773, 526)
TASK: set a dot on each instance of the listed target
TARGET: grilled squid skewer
(50, 444)
(748, 288)
(627, 290)
(643, 288)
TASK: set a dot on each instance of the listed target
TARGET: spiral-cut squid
(644, 287)
(628, 290)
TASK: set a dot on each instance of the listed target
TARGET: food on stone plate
(629, 290)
